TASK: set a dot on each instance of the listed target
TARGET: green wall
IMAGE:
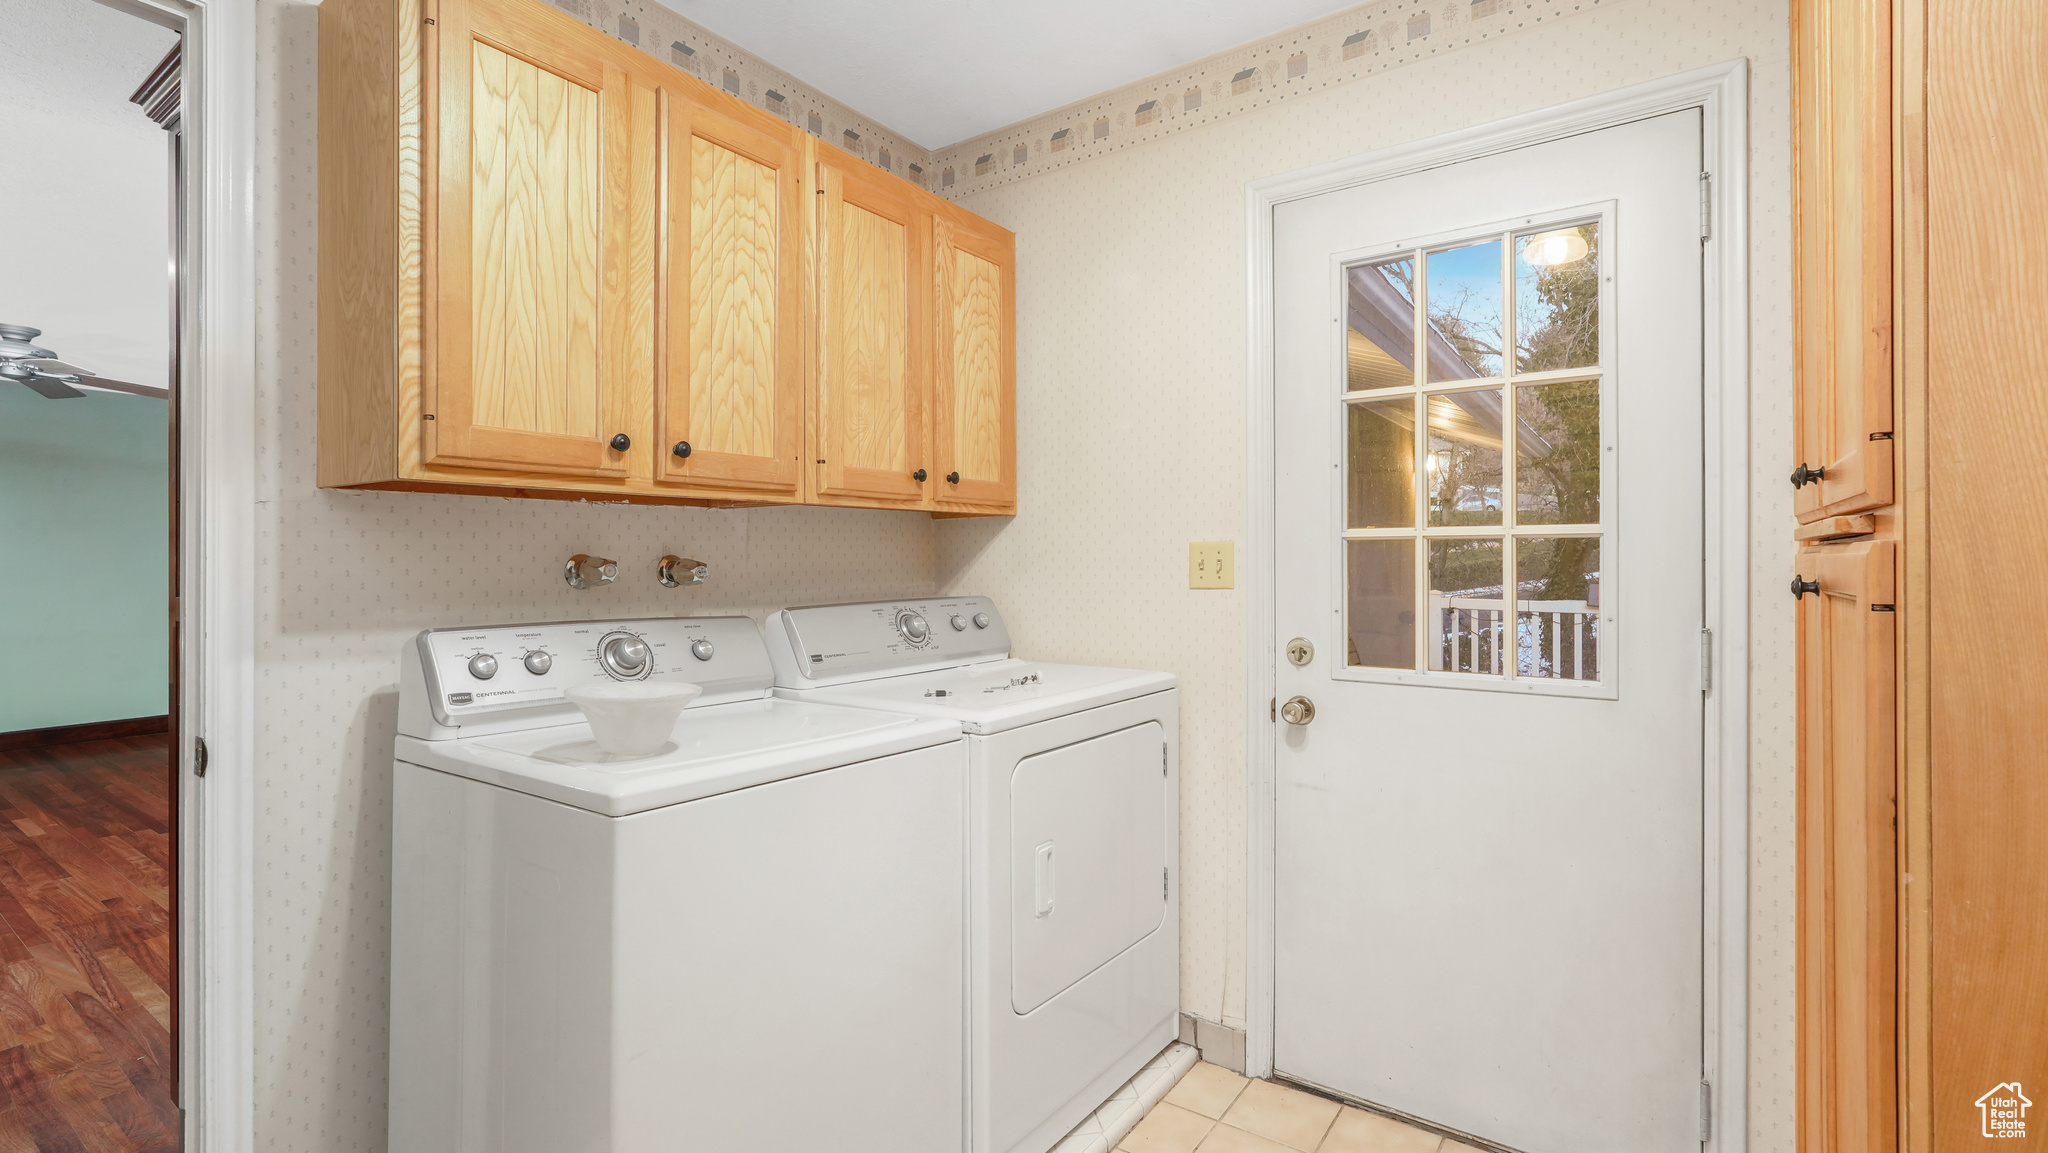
(84, 558)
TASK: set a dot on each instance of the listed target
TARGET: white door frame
(1721, 93)
(217, 553)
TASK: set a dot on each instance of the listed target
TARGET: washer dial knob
(538, 662)
(483, 666)
(625, 656)
(702, 649)
(913, 627)
(959, 623)
(981, 620)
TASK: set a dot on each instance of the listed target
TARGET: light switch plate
(1212, 564)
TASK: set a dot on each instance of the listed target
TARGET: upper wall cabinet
(729, 383)
(974, 444)
(875, 337)
(1842, 158)
(552, 265)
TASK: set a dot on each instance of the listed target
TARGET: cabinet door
(535, 134)
(1842, 163)
(974, 414)
(1848, 857)
(729, 347)
(874, 366)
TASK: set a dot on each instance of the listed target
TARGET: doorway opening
(90, 288)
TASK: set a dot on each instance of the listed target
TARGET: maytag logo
(817, 658)
(460, 698)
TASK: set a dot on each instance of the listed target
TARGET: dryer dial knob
(959, 623)
(912, 626)
(625, 656)
(538, 662)
(702, 649)
(483, 666)
(981, 620)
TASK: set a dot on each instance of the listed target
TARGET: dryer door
(1087, 858)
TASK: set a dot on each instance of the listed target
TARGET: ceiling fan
(23, 362)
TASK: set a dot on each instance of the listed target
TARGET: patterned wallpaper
(1358, 42)
(1131, 444)
(1130, 385)
(722, 64)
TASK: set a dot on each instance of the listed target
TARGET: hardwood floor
(85, 949)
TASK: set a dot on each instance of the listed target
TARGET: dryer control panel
(827, 644)
(513, 675)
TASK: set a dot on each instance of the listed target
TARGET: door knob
(681, 449)
(1298, 711)
(952, 478)
(1800, 588)
(918, 476)
(621, 442)
(1803, 476)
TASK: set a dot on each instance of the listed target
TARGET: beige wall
(1131, 335)
(1131, 399)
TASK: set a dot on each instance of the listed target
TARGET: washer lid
(995, 695)
(712, 750)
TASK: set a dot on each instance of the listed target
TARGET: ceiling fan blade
(112, 385)
(52, 388)
(57, 367)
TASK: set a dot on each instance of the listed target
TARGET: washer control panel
(822, 644)
(471, 671)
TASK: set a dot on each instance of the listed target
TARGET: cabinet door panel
(1848, 857)
(875, 364)
(1843, 168)
(528, 118)
(731, 360)
(974, 435)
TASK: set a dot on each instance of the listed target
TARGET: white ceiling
(941, 71)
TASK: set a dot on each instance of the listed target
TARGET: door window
(1477, 412)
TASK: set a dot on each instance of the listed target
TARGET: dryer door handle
(1042, 870)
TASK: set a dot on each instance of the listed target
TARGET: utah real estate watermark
(2004, 1111)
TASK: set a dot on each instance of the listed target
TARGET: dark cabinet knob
(918, 476)
(621, 442)
(1800, 588)
(1803, 476)
(682, 449)
(952, 478)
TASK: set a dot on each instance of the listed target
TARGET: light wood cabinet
(554, 266)
(1843, 247)
(974, 443)
(1848, 857)
(729, 375)
(875, 338)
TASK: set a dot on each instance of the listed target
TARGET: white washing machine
(1074, 890)
(751, 942)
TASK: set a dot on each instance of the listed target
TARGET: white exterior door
(1488, 528)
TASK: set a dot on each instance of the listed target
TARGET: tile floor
(1213, 1110)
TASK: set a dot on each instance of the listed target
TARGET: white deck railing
(1555, 640)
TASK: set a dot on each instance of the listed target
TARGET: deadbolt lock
(1300, 652)
(1298, 711)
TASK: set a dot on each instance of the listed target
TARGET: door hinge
(1706, 659)
(1273, 709)
(1706, 1110)
(1162, 759)
(1163, 882)
(1706, 205)
(199, 756)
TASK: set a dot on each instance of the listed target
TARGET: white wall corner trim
(217, 555)
(1721, 93)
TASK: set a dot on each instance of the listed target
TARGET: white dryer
(1074, 887)
(748, 943)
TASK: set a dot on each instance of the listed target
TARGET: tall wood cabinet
(1921, 153)
(552, 265)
